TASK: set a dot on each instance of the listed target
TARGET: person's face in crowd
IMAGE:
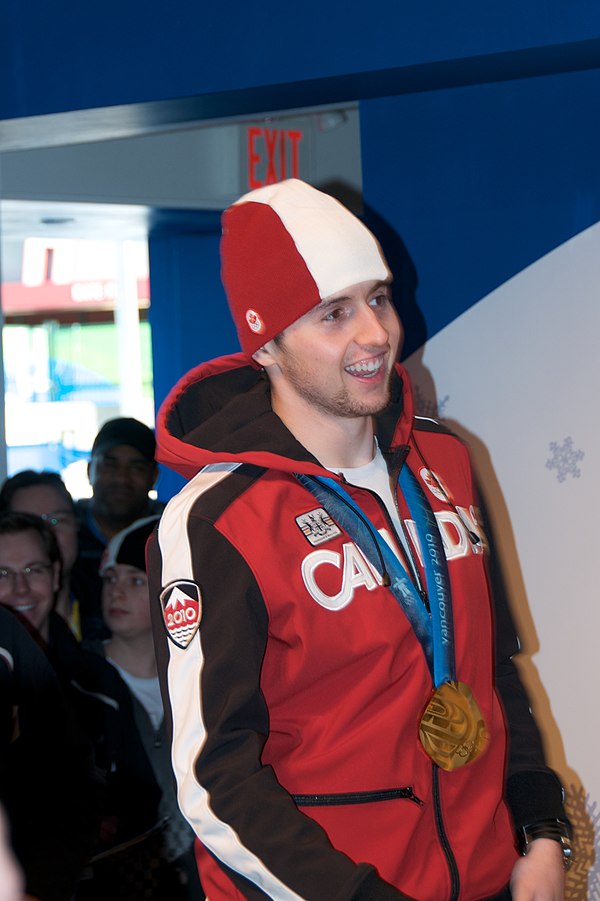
(125, 601)
(339, 356)
(121, 478)
(28, 580)
(55, 509)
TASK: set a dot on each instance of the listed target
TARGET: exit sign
(273, 154)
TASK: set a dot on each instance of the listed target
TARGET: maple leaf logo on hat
(255, 322)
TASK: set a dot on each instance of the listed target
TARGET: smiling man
(44, 494)
(29, 569)
(328, 654)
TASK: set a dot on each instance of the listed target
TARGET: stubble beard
(341, 404)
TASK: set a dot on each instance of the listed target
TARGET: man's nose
(372, 328)
(121, 473)
(20, 583)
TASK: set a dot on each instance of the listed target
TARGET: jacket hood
(220, 412)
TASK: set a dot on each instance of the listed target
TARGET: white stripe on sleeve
(184, 679)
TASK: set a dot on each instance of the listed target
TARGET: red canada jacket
(294, 681)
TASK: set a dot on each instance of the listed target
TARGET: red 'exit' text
(273, 154)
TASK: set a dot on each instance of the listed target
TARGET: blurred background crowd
(87, 796)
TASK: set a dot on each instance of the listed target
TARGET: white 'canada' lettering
(356, 571)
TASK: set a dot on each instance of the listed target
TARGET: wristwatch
(557, 830)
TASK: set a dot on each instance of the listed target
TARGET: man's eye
(4, 574)
(334, 314)
(138, 581)
(380, 300)
(63, 519)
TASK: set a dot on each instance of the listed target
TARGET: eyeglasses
(37, 572)
(58, 520)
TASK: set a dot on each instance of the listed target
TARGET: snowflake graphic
(564, 459)
(583, 879)
(432, 409)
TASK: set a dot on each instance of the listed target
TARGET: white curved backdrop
(518, 375)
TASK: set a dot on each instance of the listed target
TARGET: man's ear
(264, 355)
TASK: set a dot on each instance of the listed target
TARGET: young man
(122, 471)
(326, 642)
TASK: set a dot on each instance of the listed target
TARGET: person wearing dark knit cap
(323, 611)
(122, 471)
(130, 650)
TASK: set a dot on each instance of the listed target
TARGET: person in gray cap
(130, 650)
(122, 470)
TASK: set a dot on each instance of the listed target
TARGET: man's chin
(375, 406)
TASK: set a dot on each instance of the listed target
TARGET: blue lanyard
(435, 632)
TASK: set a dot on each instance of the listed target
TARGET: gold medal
(452, 730)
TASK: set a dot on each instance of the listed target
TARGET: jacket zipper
(437, 807)
(446, 848)
(439, 822)
(364, 797)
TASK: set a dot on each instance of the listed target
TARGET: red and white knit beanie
(284, 248)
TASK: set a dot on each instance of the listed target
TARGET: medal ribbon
(435, 632)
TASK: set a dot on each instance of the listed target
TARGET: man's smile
(368, 368)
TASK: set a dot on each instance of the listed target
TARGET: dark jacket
(47, 782)
(104, 710)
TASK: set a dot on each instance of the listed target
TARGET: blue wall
(479, 128)
(56, 57)
(188, 313)
(480, 182)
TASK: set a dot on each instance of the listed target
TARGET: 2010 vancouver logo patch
(182, 611)
(317, 526)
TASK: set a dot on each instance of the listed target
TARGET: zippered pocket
(364, 797)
